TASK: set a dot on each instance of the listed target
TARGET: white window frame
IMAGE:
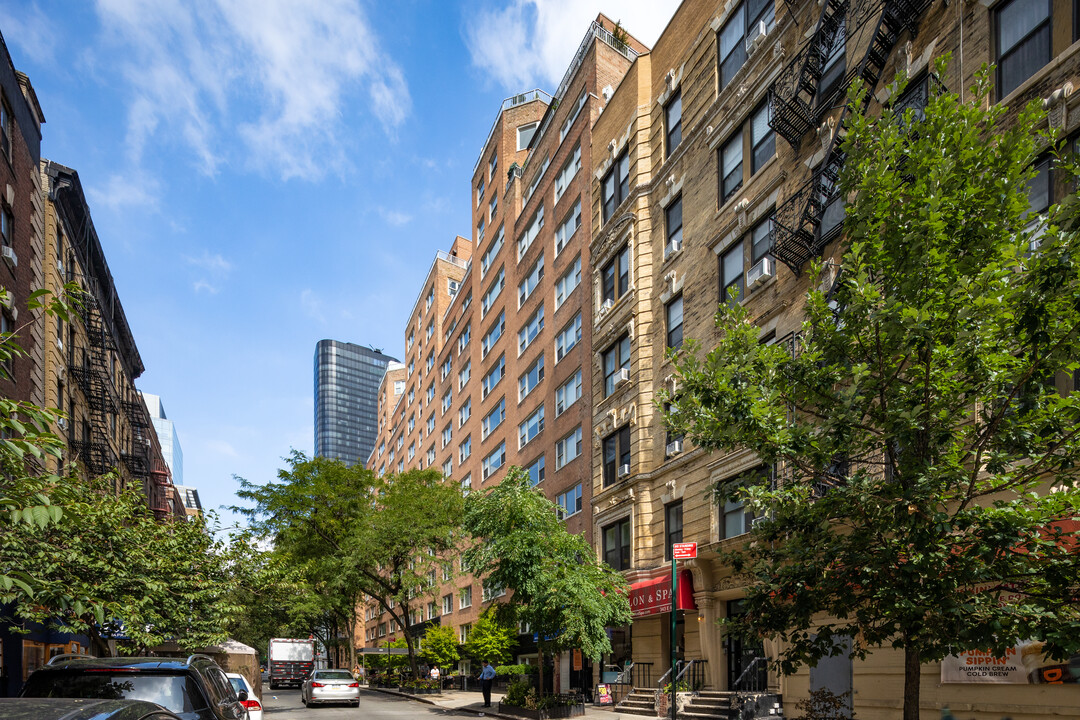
(533, 326)
(493, 335)
(532, 377)
(499, 453)
(563, 343)
(568, 393)
(531, 427)
(531, 231)
(568, 282)
(493, 419)
(568, 172)
(489, 255)
(528, 286)
(485, 385)
(493, 292)
(571, 441)
(564, 233)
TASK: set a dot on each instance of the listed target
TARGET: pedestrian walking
(435, 674)
(487, 674)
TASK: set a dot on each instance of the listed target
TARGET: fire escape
(810, 218)
(90, 443)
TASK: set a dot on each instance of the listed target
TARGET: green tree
(441, 647)
(559, 587)
(926, 457)
(359, 535)
(491, 638)
(109, 568)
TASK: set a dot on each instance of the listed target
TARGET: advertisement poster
(603, 694)
(1023, 664)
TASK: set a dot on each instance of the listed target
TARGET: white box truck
(291, 660)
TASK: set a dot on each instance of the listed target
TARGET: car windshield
(173, 692)
(334, 675)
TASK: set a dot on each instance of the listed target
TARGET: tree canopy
(922, 421)
(559, 587)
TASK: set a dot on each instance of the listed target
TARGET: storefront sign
(1023, 664)
(652, 597)
(603, 694)
(575, 660)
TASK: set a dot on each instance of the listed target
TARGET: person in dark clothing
(487, 674)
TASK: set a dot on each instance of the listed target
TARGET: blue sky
(267, 173)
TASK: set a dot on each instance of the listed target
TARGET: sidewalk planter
(561, 711)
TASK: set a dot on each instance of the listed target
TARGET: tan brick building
(702, 181)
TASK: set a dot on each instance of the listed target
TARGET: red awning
(652, 597)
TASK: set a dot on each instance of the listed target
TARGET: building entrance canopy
(653, 596)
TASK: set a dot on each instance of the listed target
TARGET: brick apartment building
(722, 148)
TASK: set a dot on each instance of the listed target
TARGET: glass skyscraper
(347, 381)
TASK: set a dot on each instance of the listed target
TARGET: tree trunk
(912, 678)
(540, 664)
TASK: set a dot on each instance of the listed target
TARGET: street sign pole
(674, 649)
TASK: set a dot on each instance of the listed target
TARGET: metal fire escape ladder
(799, 232)
(792, 96)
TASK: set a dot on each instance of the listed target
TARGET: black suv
(194, 689)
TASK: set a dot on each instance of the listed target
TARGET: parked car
(81, 709)
(327, 686)
(193, 689)
(251, 702)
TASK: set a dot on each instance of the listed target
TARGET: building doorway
(747, 669)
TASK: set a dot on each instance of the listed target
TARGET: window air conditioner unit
(60, 266)
(59, 344)
(608, 304)
(761, 272)
(623, 376)
(676, 246)
(757, 38)
(9, 256)
(674, 447)
(623, 470)
(61, 423)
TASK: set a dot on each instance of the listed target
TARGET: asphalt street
(285, 705)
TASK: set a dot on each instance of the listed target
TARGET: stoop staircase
(641, 701)
(710, 705)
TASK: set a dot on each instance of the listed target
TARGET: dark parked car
(76, 709)
(194, 689)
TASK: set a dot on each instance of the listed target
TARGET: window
(616, 455)
(452, 287)
(761, 240)
(1022, 41)
(427, 303)
(525, 134)
(762, 139)
(616, 185)
(494, 461)
(615, 276)
(430, 362)
(463, 338)
(431, 456)
(480, 232)
(412, 366)
(5, 129)
(412, 396)
(616, 359)
(382, 629)
(673, 122)
(493, 334)
(493, 292)
(464, 450)
(567, 448)
(447, 400)
(527, 237)
(568, 172)
(741, 29)
(673, 222)
(535, 471)
(568, 282)
(568, 227)
(489, 255)
(492, 590)
(569, 502)
(465, 412)
(493, 419)
(412, 422)
(532, 328)
(533, 426)
(464, 375)
(447, 434)
(494, 376)
(448, 469)
(528, 285)
(493, 164)
(572, 116)
(672, 527)
(466, 629)
(531, 378)
(567, 338)
(493, 206)
(731, 274)
(399, 387)
(617, 544)
(480, 192)
(447, 604)
(832, 76)
(466, 484)
(674, 312)
(536, 178)
(431, 424)
(731, 173)
(568, 393)
(412, 449)
(445, 368)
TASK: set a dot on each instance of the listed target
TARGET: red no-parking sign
(684, 551)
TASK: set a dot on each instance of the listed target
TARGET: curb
(422, 699)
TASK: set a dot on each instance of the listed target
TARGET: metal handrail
(626, 676)
(660, 682)
(682, 672)
(751, 666)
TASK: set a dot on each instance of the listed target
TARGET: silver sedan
(330, 686)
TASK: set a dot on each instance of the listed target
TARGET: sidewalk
(472, 702)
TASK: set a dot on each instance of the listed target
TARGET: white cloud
(31, 30)
(125, 192)
(530, 43)
(215, 269)
(259, 82)
(313, 306)
(395, 218)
